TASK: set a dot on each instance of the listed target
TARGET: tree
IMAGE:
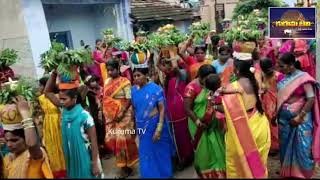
(245, 7)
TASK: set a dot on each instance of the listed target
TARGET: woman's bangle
(159, 127)
(27, 120)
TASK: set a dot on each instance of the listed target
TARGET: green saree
(209, 149)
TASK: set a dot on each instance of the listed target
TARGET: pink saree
(179, 119)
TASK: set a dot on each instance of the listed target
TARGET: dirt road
(273, 166)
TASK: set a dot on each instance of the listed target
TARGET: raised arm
(184, 47)
(49, 89)
(31, 137)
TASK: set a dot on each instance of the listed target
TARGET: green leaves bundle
(62, 60)
(246, 27)
(70, 58)
(8, 57)
(49, 58)
(167, 35)
(24, 87)
(110, 38)
(139, 46)
(199, 31)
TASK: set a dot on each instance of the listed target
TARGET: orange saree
(193, 69)
(120, 135)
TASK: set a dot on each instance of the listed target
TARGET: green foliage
(245, 7)
(246, 27)
(167, 35)
(24, 87)
(142, 46)
(67, 59)
(62, 60)
(110, 38)
(8, 57)
(49, 58)
(199, 31)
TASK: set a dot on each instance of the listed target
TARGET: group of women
(224, 116)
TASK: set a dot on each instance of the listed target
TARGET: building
(29, 26)
(149, 15)
(215, 11)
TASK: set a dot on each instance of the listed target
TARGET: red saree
(269, 103)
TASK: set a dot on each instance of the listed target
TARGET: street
(273, 166)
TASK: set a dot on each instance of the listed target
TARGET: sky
(290, 2)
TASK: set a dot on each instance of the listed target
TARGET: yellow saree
(247, 139)
(22, 167)
(52, 138)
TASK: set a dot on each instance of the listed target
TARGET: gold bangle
(26, 120)
(29, 126)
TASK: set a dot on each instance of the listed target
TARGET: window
(62, 37)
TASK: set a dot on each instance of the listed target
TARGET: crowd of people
(224, 115)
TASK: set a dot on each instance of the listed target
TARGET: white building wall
(85, 22)
(77, 19)
(104, 17)
(37, 31)
(14, 34)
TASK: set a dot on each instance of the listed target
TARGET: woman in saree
(305, 57)
(156, 148)
(175, 85)
(117, 111)
(266, 49)
(299, 118)
(97, 56)
(248, 135)
(52, 140)
(209, 159)
(224, 65)
(193, 62)
(26, 160)
(270, 77)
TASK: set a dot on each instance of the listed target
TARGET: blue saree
(154, 158)
(75, 143)
(295, 142)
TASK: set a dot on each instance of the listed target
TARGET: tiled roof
(154, 10)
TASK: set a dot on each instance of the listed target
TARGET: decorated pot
(9, 114)
(69, 82)
(169, 52)
(139, 57)
(244, 46)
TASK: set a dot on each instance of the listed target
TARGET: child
(213, 83)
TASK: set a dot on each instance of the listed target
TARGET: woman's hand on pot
(23, 107)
